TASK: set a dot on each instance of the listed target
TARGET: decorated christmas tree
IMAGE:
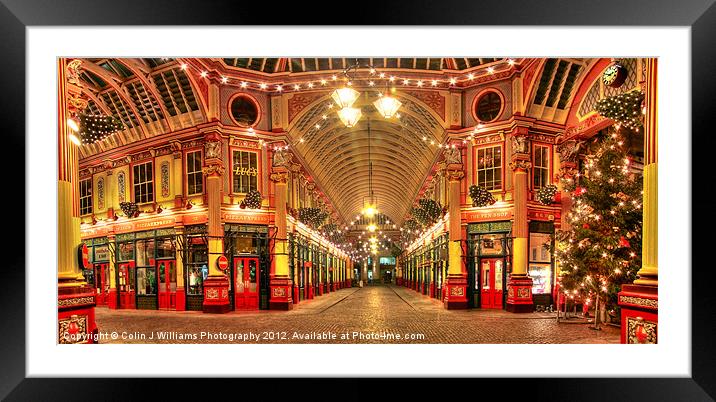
(602, 248)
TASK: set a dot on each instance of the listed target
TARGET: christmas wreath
(481, 197)
(546, 194)
(252, 200)
(130, 209)
(625, 108)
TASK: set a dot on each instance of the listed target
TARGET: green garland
(313, 217)
(625, 108)
(427, 212)
(481, 197)
(546, 194)
(95, 128)
(253, 200)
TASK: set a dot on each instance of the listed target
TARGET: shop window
(246, 245)
(145, 252)
(541, 275)
(165, 248)
(146, 281)
(197, 269)
(491, 245)
(489, 168)
(245, 171)
(540, 267)
(194, 179)
(540, 171)
(86, 197)
(125, 251)
(143, 180)
(488, 107)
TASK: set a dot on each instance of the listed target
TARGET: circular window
(244, 110)
(488, 107)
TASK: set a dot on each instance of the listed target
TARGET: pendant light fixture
(387, 105)
(349, 116)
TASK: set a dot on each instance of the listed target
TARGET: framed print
(422, 196)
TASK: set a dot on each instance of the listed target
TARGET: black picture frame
(700, 15)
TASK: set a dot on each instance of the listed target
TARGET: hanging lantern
(345, 97)
(387, 106)
(349, 116)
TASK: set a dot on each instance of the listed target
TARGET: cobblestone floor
(373, 314)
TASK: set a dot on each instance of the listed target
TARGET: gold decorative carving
(213, 169)
(73, 72)
(212, 293)
(279, 177)
(63, 334)
(279, 292)
(639, 301)
(648, 327)
(457, 291)
(520, 164)
(77, 301)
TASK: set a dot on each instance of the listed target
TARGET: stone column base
(640, 313)
(455, 297)
(216, 295)
(75, 314)
(280, 296)
(519, 294)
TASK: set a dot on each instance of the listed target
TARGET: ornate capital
(520, 164)
(452, 155)
(73, 72)
(212, 150)
(294, 167)
(568, 151)
(520, 144)
(567, 171)
(282, 158)
(213, 170)
(280, 177)
(310, 186)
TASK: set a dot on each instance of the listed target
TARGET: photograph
(484, 199)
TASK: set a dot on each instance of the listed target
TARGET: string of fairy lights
(369, 76)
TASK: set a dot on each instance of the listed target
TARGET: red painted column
(216, 285)
(75, 298)
(519, 284)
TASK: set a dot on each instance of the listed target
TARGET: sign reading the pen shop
(479, 216)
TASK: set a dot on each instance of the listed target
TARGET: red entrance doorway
(491, 277)
(167, 284)
(246, 283)
(101, 280)
(127, 297)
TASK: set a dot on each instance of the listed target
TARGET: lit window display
(541, 275)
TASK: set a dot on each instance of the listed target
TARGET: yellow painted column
(216, 285)
(281, 284)
(519, 285)
(649, 273)
(113, 295)
(75, 298)
(455, 296)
